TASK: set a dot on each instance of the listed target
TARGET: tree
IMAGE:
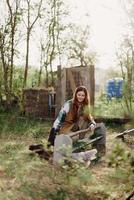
(125, 57)
(53, 27)
(126, 62)
(128, 7)
(78, 46)
(29, 26)
(14, 14)
(4, 49)
(8, 44)
(41, 64)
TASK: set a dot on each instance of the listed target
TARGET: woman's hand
(92, 125)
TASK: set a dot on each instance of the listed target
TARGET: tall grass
(15, 125)
(111, 108)
(24, 176)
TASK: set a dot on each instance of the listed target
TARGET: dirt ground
(22, 174)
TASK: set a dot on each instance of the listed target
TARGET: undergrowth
(24, 176)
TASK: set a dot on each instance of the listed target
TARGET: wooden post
(92, 85)
(71, 79)
(63, 86)
(58, 90)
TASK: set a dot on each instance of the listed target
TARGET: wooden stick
(87, 142)
(73, 134)
(129, 132)
(130, 196)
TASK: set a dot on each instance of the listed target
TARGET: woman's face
(80, 96)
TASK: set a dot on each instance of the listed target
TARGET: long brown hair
(86, 101)
(87, 98)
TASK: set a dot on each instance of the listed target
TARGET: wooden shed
(37, 102)
(46, 102)
(69, 79)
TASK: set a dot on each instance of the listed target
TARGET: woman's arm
(61, 116)
(57, 123)
(92, 123)
(92, 120)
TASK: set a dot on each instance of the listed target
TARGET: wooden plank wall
(36, 103)
(69, 79)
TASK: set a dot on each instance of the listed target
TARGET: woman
(74, 115)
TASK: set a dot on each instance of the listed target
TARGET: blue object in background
(114, 88)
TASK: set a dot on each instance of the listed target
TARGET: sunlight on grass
(23, 175)
(113, 108)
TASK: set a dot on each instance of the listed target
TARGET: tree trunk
(92, 85)
(39, 77)
(12, 60)
(5, 71)
(46, 80)
(27, 59)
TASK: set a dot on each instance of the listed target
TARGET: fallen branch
(130, 196)
(127, 132)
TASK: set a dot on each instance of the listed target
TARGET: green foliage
(77, 45)
(118, 156)
(25, 176)
(33, 78)
(17, 80)
(115, 108)
(1, 82)
(32, 178)
(125, 58)
(22, 126)
(123, 161)
(60, 194)
(77, 174)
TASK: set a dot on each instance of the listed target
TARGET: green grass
(114, 108)
(24, 176)
(22, 126)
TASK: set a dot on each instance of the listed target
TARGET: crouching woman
(76, 115)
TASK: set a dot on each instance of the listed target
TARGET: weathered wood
(61, 145)
(127, 132)
(63, 86)
(130, 196)
(86, 141)
(58, 90)
(73, 134)
(92, 85)
(36, 102)
(71, 79)
(63, 148)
